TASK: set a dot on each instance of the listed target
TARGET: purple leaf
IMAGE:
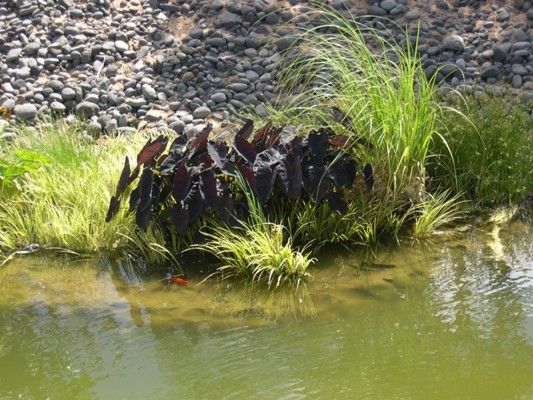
(199, 143)
(337, 203)
(218, 151)
(114, 205)
(124, 178)
(246, 130)
(180, 218)
(151, 150)
(245, 149)
(208, 188)
(318, 144)
(182, 183)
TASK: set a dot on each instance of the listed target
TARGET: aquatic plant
(434, 212)
(384, 97)
(485, 155)
(63, 194)
(197, 177)
(15, 166)
(256, 248)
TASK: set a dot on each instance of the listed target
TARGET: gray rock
(442, 4)
(490, 72)
(388, 4)
(500, 53)
(285, 42)
(187, 77)
(149, 92)
(68, 93)
(87, 109)
(376, 10)
(121, 46)
(25, 111)
(454, 42)
(177, 126)
(503, 16)
(111, 126)
(216, 42)
(519, 69)
(228, 19)
(238, 87)
(13, 55)
(201, 112)
(136, 102)
(517, 82)
(152, 115)
(94, 128)
(219, 97)
(31, 48)
(57, 107)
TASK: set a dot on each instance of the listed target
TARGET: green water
(448, 320)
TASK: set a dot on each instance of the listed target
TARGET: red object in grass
(182, 281)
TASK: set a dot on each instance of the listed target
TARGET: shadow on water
(444, 320)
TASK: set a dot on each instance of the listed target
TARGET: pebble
(87, 109)
(25, 111)
(125, 68)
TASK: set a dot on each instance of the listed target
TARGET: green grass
(256, 249)
(385, 95)
(491, 140)
(62, 203)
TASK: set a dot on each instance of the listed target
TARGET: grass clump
(487, 149)
(257, 249)
(384, 96)
(62, 202)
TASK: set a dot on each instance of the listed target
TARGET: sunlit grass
(384, 95)
(435, 212)
(488, 149)
(63, 203)
(257, 249)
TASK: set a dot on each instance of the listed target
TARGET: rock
(25, 111)
(57, 107)
(68, 93)
(121, 46)
(500, 53)
(517, 82)
(31, 48)
(136, 102)
(412, 15)
(201, 112)
(238, 87)
(503, 16)
(454, 42)
(177, 126)
(285, 42)
(490, 72)
(219, 97)
(228, 19)
(442, 4)
(94, 128)
(13, 55)
(519, 69)
(149, 92)
(87, 109)
(388, 4)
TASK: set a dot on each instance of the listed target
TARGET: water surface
(446, 320)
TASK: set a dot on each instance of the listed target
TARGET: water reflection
(421, 321)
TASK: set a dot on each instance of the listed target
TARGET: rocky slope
(138, 63)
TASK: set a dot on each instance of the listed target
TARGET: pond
(452, 319)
